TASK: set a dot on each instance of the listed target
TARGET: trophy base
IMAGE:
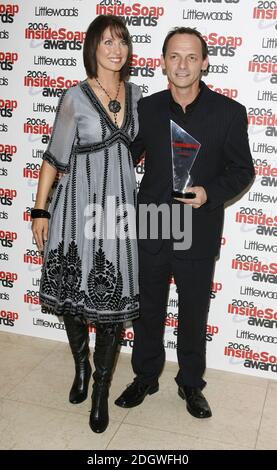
(185, 195)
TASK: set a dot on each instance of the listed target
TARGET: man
(222, 170)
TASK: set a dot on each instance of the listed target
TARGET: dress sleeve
(64, 129)
(137, 147)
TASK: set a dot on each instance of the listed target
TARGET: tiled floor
(35, 377)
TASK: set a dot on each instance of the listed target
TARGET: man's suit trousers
(193, 279)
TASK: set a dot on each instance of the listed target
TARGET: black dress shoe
(197, 404)
(135, 394)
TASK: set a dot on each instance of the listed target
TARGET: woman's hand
(40, 231)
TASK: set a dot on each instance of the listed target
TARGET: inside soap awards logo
(255, 315)
(38, 127)
(8, 12)
(266, 174)
(219, 45)
(265, 10)
(7, 196)
(51, 87)
(264, 64)
(31, 297)
(55, 39)
(7, 279)
(7, 60)
(251, 359)
(135, 14)
(7, 107)
(127, 338)
(144, 66)
(31, 170)
(7, 152)
(8, 318)
(230, 92)
(32, 256)
(265, 223)
(262, 271)
(216, 288)
(7, 238)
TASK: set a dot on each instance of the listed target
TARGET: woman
(90, 272)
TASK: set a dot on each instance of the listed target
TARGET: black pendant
(114, 106)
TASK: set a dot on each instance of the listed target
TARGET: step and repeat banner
(41, 55)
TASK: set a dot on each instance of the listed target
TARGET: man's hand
(199, 200)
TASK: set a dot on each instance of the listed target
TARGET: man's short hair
(183, 30)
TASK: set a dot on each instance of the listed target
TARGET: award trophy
(184, 149)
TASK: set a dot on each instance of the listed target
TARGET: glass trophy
(184, 149)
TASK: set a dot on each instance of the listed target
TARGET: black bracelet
(40, 213)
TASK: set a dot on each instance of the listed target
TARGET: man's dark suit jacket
(223, 165)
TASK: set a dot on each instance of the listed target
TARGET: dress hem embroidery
(68, 308)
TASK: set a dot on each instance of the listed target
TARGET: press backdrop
(41, 54)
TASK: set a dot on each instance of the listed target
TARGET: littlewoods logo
(48, 324)
(155, 221)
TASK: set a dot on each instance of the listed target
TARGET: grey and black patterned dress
(86, 272)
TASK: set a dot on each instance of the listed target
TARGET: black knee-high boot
(106, 343)
(78, 337)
